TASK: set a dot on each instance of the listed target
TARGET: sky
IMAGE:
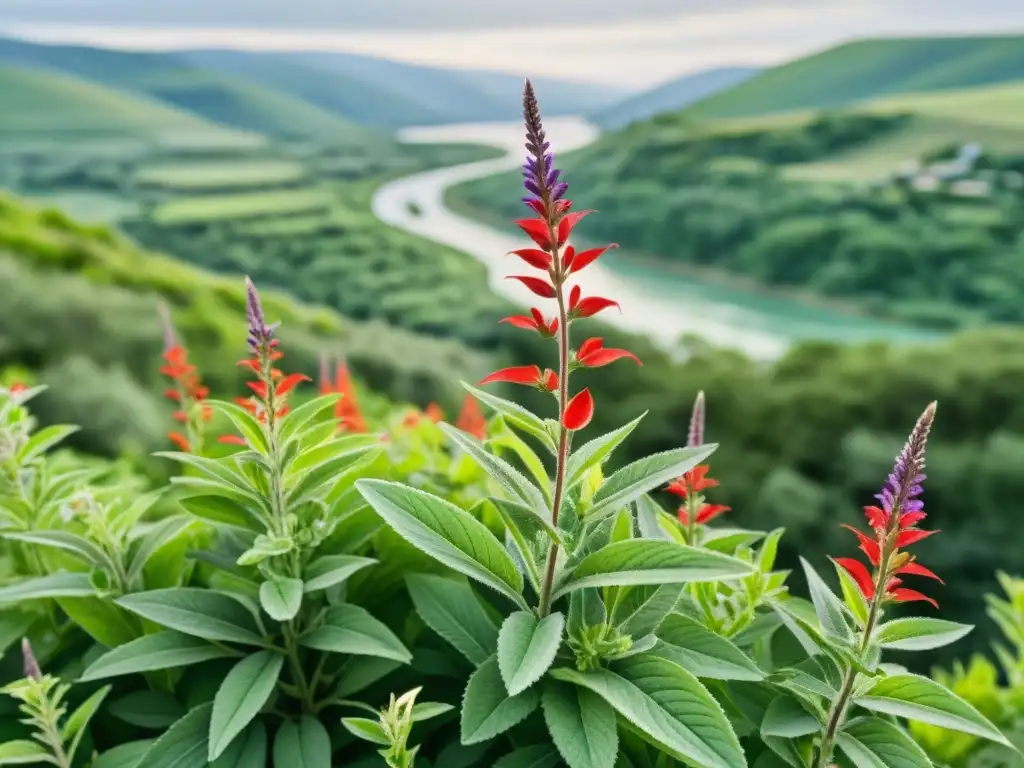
(628, 43)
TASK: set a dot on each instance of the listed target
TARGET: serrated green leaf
(486, 709)
(643, 475)
(786, 719)
(197, 612)
(164, 650)
(700, 651)
(918, 698)
(350, 629)
(515, 415)
(23, 752)
(249, 750)
(448, 534)
(281, 598)
(649, 561)
(184, 744)
(870, 742)
(304, 744)
(330, 570)
(649, 519)
(452, 610)
(640, 610)
(241, 696)
(595, 452)
(307, 414)
(314, 469)
(581, 724)
(61, 584)
(504, 437)
(527, 648)
(827, 606)
(920, 634)
(43, 440)
(667, 706)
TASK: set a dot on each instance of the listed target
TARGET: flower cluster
(346, 411)
(557, 261)
(186, 391)
(690, 487)
(470, 419)
(894, 526)
(268, 402)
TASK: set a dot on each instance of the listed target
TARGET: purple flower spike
(260, 334)
(695, 436)
(541, 178)
(904, 484)
(170, 337)
(29, 663)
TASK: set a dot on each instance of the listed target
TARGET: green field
(197, 176)
(208, 208)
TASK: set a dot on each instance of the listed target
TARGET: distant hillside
(673, 95)
(870, 69)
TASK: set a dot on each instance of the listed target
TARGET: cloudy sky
(633, 43)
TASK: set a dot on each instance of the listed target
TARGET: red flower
(534, 257)
(434, 413)
(590, 306)
(16, 387)
(593, 354)
(179, 440)
(568, 223)
(707, 513)
(538, 231)
(528, 375)
(471, 420)
(231, 440)
(541, 287)
(574, 262)
(533, 322)
(579, 411)
(861, 575)
(694, 481)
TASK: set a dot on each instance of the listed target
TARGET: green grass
(198, 176)
(870, 69)
(209, 208)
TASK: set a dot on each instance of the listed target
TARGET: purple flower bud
(260, 334)
(695, 436)
(29, 663)
(904, 484)
(541, 176)
(170, 337)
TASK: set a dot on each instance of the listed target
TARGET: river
(660, 303)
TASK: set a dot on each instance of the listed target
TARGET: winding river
(662, 304)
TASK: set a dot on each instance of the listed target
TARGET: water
(661, 303)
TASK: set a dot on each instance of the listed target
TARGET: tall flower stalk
(187, 391)
(557, 260)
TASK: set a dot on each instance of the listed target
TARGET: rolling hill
(673, 95)
(870, 69)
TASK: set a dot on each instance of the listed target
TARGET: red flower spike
(914, 569)
(694, 481)
(912, 536)
(678, 488)
(683, 516)
(231, 440)
(434, 413)
(289, 382)
(170, 394)
(910, 596)
(535, 258)
(591, 305)
(860, 574)
(537, 230)
(579, 411)
(471, 420)
(867, 545)
(710, 511)
(541, 287)
(179, 440)
(519, 374)
(568, 223)
(907, 519)
(588, 257)
(259, 387)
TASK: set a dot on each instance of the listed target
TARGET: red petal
(579, 411)
(231, 440)
(588, 346)
(684, 516)
(877, 517)
(537, 206)
(912, 536)
(180, 416)
(538, 231)
(520, 321)
(568, 258)
(908, 519)
(585, 258)
(570, 220)
(542, 288)
(259, 388)
(173, 394)
(289, 382)
(251, 362)
(519, 374)
(550, 380)
(867, 545)
(535, 258)
(860, 574)
(600, 357)
(910, 596)
(179, 440)
(677, 487)
(710, 511)
(914, 569)
(591, 305)
(574, 297)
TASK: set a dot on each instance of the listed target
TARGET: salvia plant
(270, 605)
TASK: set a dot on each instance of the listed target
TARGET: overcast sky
(627, 42)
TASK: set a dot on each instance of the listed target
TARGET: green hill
(870, 69)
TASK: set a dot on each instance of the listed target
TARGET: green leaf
(367, 730)
(448, 534)
(241, 696)
(23, 752)
(307, 414)
(634, 480)
(281, 598)
(265, 547)
(128, 755)
(221, 510)
(247, 751)
(535, 756)
(317, 467)
(75, 725)
(197, 612)
(452, 610)
(219, 473)
(44, 440)
(162, 534)
(330, 570)
(245, 423)
(827, 606)
(515, 415)
(595, 452)
(304, 744)
(666, 705)
(72, 543)
(184, 745)
(649, 561)
(871, 742)
(104, 621)
(527, 648)
(699, 650)
(503, 437)
(164, 650)
(920, 634)
(917, 698)
(640, 610)
(581, 724)
(649, 517)
(487, 711)
(155, 710)
(60, 584)
(350, 629)
(786, 719)
(427, 710)
(507, 476)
